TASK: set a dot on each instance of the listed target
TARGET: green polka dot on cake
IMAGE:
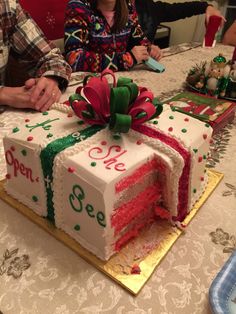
(155, 122)
(204, 157)
(93, 164)
(195, 150)
(80, 122)
(171, 117)
(207, 125)
(184, 130)
(49, 135)
(35, 198)
(16, 129)
(77, 227)
(24, 152)
(194, 190)
(45, 113)
(116, 136)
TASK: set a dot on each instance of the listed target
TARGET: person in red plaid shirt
(50, 72)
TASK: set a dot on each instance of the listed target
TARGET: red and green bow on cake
(121, 105)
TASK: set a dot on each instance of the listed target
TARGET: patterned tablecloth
(38, 274)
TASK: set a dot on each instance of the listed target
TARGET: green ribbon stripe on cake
(49, 153)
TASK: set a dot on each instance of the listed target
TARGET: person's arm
(229, 37)
(30, 44)
(46, 61)
(152, 13)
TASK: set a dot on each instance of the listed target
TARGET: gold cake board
(146, 251)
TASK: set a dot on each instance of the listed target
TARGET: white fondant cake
(100, 190)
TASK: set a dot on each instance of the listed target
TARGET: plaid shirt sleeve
(28, 41)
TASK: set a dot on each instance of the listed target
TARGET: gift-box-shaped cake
(100, 185)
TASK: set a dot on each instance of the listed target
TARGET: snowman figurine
(217, 76)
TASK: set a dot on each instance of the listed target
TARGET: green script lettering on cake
(45, 125)
(76, 203)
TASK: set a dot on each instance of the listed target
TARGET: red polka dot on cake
(12, 148)
(71, 169)
(139, 142)
(30, 138)
(200, 159)
(186, 119)
(70, 115)
(202, 178)
(204, 136)
(170, 129)
(103, 143)
(27, 120)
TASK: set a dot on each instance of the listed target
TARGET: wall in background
(189, 29)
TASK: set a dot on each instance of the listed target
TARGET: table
(46, 277)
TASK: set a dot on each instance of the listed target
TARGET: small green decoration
(16, 129)
(204, 157)
(184, 130)
(49, 135)
(171, 117)
(35, 198)
(97, 26)
(45, 113)
(24, 152)
(80, 122)
(195, 150)
(194, 190)
(155, 122)
(116, 136)
(93, 164)
(77, 227)
(207, 125)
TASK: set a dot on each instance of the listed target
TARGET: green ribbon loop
(120, 123)
(76, 97)
(159, 107)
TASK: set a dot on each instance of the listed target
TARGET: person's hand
(155, 52)
(213, 11)
(140, 53)
(44, 93)
(17, 97)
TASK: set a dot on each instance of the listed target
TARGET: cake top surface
(45, 127)
(184, 128)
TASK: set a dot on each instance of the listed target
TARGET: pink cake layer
(183, 189)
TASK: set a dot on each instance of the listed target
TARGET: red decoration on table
(212, 28)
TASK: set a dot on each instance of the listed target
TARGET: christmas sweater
(90, 44)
